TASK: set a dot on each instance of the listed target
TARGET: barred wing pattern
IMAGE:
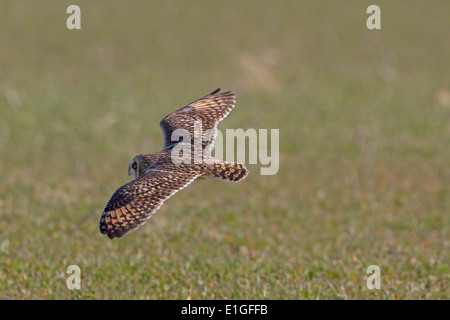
(135, 202)
(210, 110)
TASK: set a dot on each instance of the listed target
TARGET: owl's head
(138, 166)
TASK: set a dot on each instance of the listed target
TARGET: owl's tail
(226, 171)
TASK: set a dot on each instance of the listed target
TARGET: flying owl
(159, 175)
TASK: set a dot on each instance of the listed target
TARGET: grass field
(364, 149)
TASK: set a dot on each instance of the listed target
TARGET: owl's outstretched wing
(135, 202)
(209, 110)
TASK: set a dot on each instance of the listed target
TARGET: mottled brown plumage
(157, 177)
(209, 110)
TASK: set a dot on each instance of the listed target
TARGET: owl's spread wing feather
(135, 202)
(210, 110)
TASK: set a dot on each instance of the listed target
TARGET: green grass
(364, 149)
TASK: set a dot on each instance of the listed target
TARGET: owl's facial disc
(133, 168)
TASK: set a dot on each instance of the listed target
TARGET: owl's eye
(134, 165)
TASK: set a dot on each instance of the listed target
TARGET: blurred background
(364, 148)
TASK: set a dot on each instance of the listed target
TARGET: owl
(159, 175)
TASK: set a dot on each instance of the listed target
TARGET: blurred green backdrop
(364, 148)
